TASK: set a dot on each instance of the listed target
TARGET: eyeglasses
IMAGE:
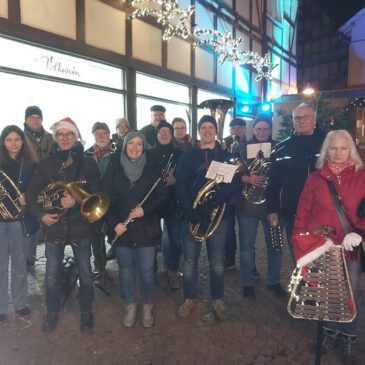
(179, 128)
(305, 117)
(65, 135)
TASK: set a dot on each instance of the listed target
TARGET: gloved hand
(193, 215)
(351, 240)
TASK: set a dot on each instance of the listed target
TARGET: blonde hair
(340, 133)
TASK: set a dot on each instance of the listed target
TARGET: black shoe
(249, 292)
(278, 290)
(50, 323)
(110, 254)
(2, 318)
(23, 312)
(87, 322)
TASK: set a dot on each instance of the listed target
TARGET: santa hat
(310, 246)
(69, 124)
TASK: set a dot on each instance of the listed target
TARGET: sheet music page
(254, 148)
(221, 169)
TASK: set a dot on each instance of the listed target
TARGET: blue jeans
(12, 243)
(31, 242)
(354, 270)
(54, 256)
(215, 248)
(231, 239)
(172, 238)
(247, 235)
(130, 261)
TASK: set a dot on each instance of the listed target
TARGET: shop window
(58, 100)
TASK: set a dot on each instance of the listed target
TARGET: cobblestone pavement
(259, 332)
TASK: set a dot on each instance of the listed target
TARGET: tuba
(10, 207)
(93, 206)
(218, 109)
(260, 166)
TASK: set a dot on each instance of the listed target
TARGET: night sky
(340, 11)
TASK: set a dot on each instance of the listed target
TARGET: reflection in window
(58, 100)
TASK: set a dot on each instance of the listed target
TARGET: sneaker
(186, 308)
(278, 290)
(99, 278)
(349, 349)
(86, 322)
(147, 316)
(174, 280)
(23, 312)
(219, 309)
(249, 292)
(50, 323)
(130, 315)
(2, 318)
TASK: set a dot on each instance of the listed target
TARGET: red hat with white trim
(310, 246)
(69, 124)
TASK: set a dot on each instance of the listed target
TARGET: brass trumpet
(10, 207)
(93, 206)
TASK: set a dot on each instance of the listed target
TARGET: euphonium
(93, 206)
(10, 207)
(259, 166)
(205, 194)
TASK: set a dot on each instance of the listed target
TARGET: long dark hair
(25, 151)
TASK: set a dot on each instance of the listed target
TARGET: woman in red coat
(340, 163)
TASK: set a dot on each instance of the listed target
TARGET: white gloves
(351, 240)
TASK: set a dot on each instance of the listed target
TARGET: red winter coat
(316, 207)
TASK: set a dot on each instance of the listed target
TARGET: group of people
(156, 174)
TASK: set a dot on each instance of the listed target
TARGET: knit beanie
(163, 124)
(207, 119)
(33, 110)
(132, 134)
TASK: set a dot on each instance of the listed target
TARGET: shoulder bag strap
(340, 208)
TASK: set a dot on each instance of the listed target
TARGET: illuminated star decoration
(167, 13)
(227, 48)
(222, 43)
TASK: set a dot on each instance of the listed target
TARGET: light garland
(227, 48)
(167, 13)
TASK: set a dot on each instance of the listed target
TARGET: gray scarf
(132, 169)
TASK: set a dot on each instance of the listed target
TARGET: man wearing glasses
(66, 163)
(182, 140)
(292, 161)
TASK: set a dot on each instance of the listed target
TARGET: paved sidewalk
(259, 332)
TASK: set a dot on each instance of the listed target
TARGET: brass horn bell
(92, 206)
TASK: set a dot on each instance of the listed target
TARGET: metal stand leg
(319, 342)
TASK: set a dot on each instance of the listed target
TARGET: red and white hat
(67, 123)
(310, 246)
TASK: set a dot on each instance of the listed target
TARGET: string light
(227, 47)
(167, 13)
(354, 103)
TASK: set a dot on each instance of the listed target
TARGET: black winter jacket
(160, 156)
(124, 196)
(191, 171)
(72, 227)
(292, 161)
